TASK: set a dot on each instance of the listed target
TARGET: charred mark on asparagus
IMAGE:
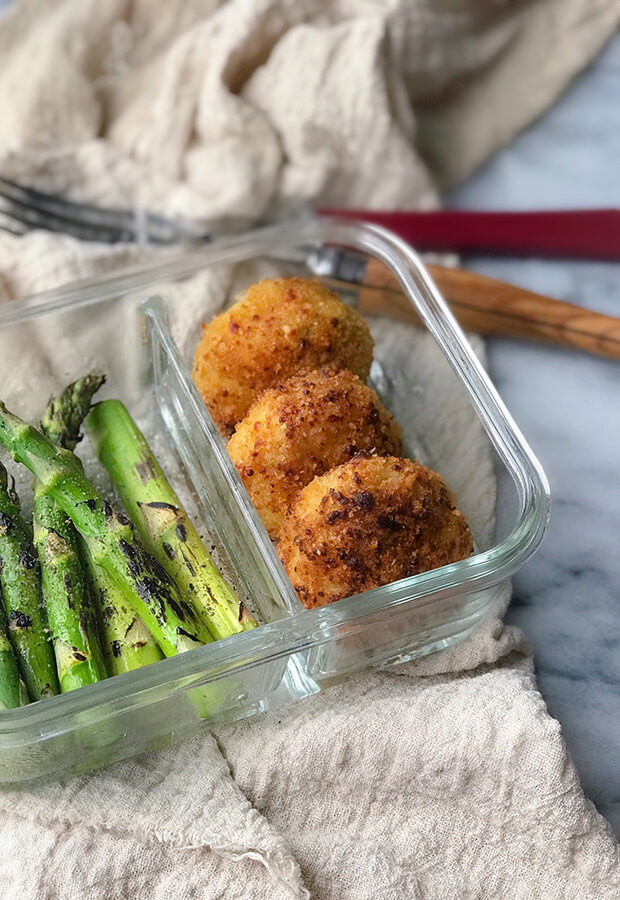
(19, 619)
(182, 631)
(27, 558)
(122, 518)
(168, 550)
(6, 524)
(159, 504)
(127, 549)
(68, 589)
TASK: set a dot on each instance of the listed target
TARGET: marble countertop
(567, 599)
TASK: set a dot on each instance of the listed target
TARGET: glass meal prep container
(50, 339)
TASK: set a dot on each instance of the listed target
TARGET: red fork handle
(573, 234)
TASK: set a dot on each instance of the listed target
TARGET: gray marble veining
(567, 599)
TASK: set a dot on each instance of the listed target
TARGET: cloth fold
(444, 778)
(215, 110)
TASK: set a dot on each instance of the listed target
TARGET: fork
(588, 234)
(480, 304)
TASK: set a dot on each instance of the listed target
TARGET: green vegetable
(161, 521)
(110, 539)
(12, 689)
(65, 588)
(125, 640)
(20, 578)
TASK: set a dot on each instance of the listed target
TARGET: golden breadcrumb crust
(367, 523)
(277, 328)
(302, 428)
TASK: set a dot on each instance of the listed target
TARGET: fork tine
(32, 217)
(84, 221)
(79, 212)
(158, 229)
(15, 229)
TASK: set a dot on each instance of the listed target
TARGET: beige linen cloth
(444, 778)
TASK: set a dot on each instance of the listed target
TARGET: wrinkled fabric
(216, 110)
(443, 778)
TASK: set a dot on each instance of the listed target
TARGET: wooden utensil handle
(493, 307)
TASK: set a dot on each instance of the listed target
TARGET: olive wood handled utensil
(492, 307)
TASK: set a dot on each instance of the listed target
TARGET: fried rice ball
(367, 523)
(275, 329)
(302, 428)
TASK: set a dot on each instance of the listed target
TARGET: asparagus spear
(161, 521)
(109, 537)
(125, 640)
(65, 589)
(21, 586)
(12, 689)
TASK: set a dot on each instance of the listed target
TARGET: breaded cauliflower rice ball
(276, 329)
(302, 428)
(367, 523)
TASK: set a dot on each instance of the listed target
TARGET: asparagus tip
(63, 416)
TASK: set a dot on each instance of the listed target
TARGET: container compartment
(47, 341)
